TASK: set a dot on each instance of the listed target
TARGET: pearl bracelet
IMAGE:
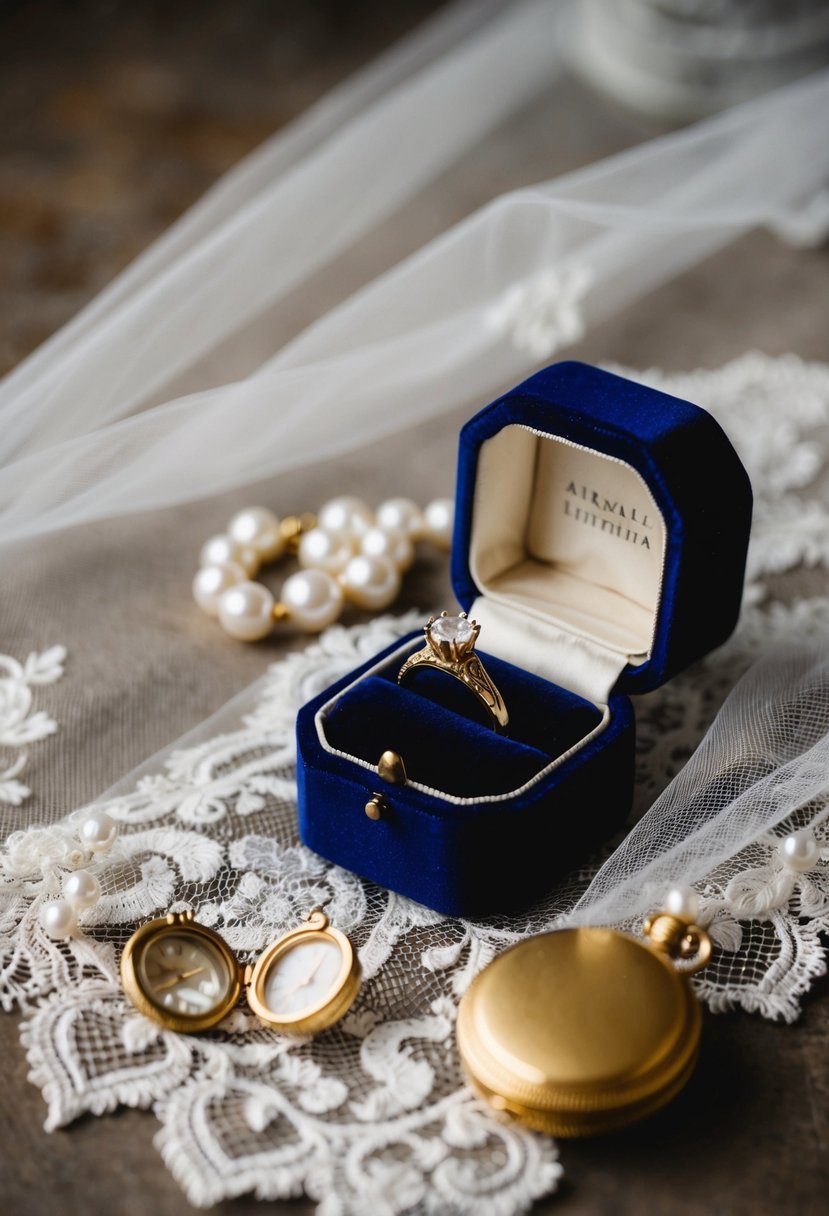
(347, 555)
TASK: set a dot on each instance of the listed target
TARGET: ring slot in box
(600, 538)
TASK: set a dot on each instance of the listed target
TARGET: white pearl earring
(81, 889)
(799, 850)
(98, 831)
(58, 919)
(682, 902)
(348, 554)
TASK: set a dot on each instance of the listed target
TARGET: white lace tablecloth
(374, 1115)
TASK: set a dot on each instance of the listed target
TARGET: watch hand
(177, 979)
(306, 979)
(313, 971)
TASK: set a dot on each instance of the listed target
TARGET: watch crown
(316, 919)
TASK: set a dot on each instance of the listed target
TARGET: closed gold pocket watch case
(582, 1031)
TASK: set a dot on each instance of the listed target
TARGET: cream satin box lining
(570, 588)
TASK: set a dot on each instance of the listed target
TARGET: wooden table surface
(114, 118)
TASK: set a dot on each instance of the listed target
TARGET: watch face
(180, 974)
(183, 974)
(306, 980)
(303, 977)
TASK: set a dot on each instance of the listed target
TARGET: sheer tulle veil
(130, 409)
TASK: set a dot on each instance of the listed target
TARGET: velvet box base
(501, 845)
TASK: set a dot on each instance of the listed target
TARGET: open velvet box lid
(600, 539)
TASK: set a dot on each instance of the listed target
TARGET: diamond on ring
(450, 647)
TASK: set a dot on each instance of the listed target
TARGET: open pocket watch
(185, 976)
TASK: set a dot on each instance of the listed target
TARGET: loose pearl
(439, 519)
(212, 581)
(81, 889)
(98, 831)
(799, 851)
(683, 903)
(313, 598)
(371, 582)
(57, 919)
(388, 542)
(258, 529)
(403, 515)
(345, 514)
(246, 612)
(322, 549)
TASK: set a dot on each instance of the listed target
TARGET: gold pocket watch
(186, 977)
(582, 1031)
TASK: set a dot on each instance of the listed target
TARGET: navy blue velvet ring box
(600, 540)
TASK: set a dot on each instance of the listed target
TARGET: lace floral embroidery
(20, 722)
(544, 313)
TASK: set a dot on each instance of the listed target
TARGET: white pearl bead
(371, 582)
(98, 831)
(322, 549)
(439, 520)
(799, 851)
(224, 549)
(682, 902)
(212, 581)
(403, 515)
(345, 514)
(81, 889)
(258, 529)
(313, 598)
(390, 543)
(246, 612)
(57, 919)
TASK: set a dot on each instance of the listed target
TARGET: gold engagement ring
(450, 647)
